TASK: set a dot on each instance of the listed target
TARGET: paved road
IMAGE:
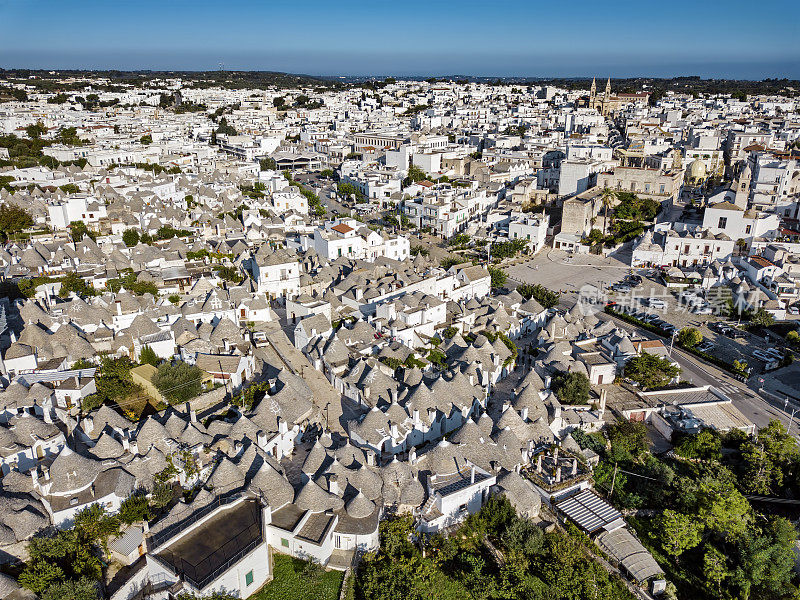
(759, 409)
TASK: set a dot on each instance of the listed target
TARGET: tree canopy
(651, 371)
(178, 382)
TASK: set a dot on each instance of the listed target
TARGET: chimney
(394, 395)
(412, 456)
(524, 413)
(547, 379)
(558, 474)
(574, 467)
(126, 444)
(506, 405)
(370, 458)
(415, 416)
(602, 408)
(472, 475)
(393, 430)
(539, 464)
(555, 453)
(333, 485)
(119, 307)
(35, 477)
(471, 379)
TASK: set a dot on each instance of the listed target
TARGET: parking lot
(558, 271)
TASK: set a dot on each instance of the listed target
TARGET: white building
(529, 227)
(78, 207)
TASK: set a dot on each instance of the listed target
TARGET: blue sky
(710, 38)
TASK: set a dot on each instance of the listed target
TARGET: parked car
(702, 309)
(650, 318)
(670, 328)
(763, 356)
(734, 333)
(793, 310)
(775, 353)
(706, 346)
(718, 326)
(657, 303)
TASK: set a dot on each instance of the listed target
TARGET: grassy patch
(290, 581)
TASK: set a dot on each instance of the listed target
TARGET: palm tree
(607, 197)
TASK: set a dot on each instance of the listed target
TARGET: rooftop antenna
(221, 66)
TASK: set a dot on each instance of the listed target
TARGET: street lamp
(672, 342)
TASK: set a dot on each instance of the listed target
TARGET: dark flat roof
(206, 548)
(316, 527)
(287, 517)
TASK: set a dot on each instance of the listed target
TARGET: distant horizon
(353, 38)
(399, 76)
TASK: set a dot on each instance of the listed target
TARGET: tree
(762, 318)
(267, 164)
(714, 568)
(72, 282)
(146, 140)
(704, 445)
(78, 230)
(545, 297)
(39, 575)
(130, 237)
(94, 525)
(224, 128)
(178, 382)
(498, 276)
(628, 439)
(689, 337)
(13, 219)
(81, 589)
(767, 458)
(415, 174)
(722, 508)
(231, 274)
(607, 197)
(148, 356)
(679, 532)
(134, 509)
(650, 371)
(113, 381)
(766, 561)
(571, 388)
(36, 130)
(162, 495)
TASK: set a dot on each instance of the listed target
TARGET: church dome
(697, 170)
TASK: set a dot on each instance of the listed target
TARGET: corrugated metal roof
(589, 511)
(128, 541)
(629, 552)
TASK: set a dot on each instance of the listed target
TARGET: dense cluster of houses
(387, 382)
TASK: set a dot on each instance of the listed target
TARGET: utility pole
(613, 481)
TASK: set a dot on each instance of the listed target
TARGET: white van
(657, 303)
